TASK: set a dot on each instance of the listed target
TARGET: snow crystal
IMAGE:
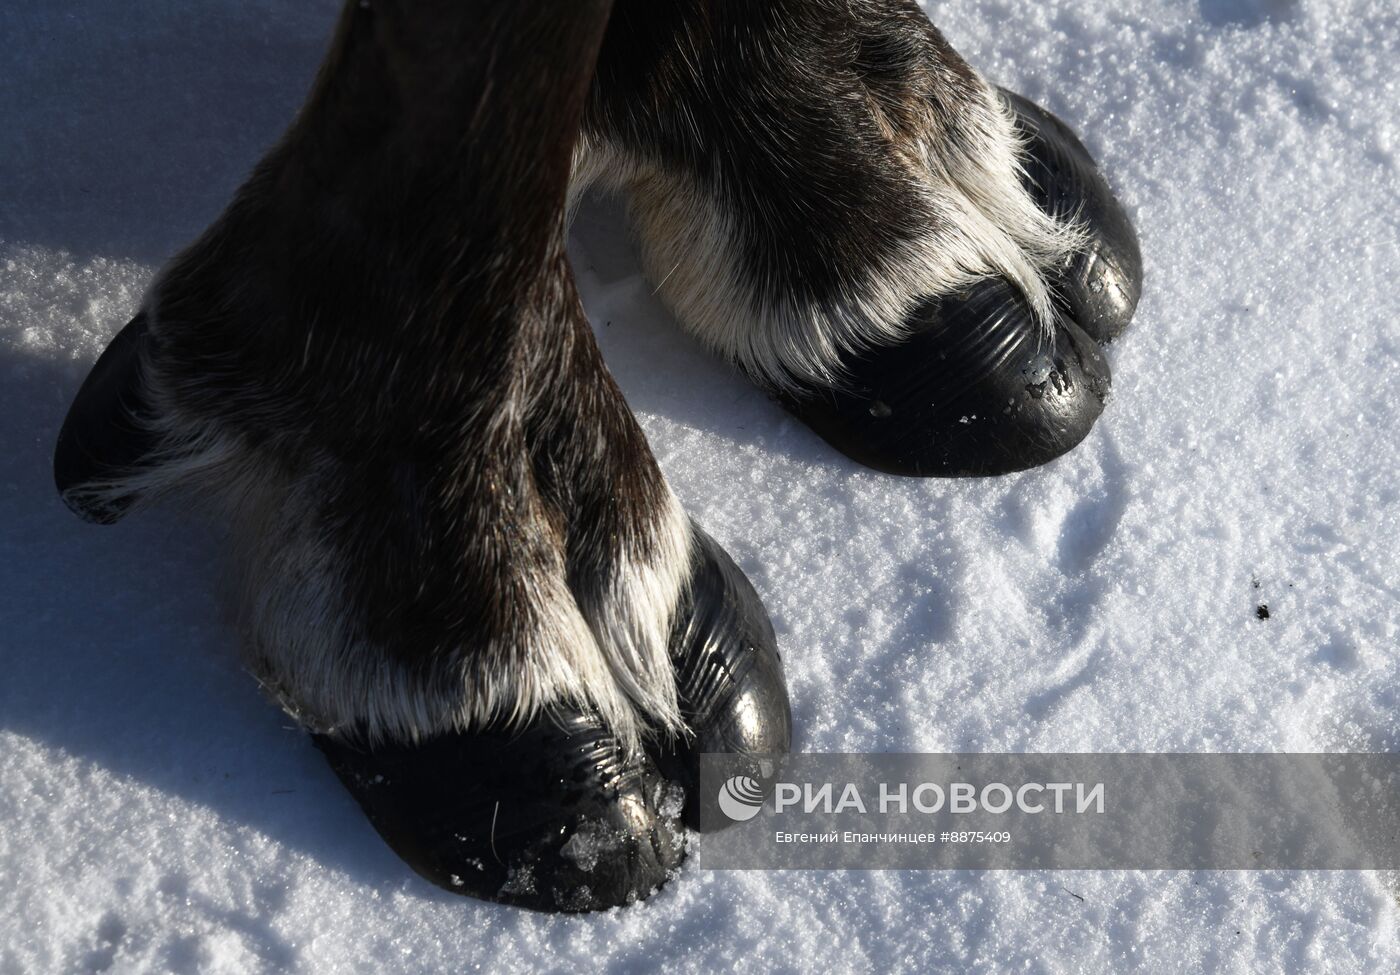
(590, 842)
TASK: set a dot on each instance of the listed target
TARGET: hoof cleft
(732, 691)
(1102, 284)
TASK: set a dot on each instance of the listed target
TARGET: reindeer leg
(829, 196)
(461, 568)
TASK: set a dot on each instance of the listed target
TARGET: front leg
(827, 195)
(461, 568)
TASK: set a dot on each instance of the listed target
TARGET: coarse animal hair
(376, 364)
(802, 174)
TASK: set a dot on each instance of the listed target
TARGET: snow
(156, 814)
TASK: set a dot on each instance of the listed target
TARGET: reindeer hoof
(554, 817)
(732, 692)
(558, 816)
(975, 390)
(1101, 285)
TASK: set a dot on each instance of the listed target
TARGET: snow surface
(156, 814)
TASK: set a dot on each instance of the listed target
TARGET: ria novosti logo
(741, 798)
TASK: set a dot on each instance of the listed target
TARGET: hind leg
(830, 197)
(462, 570)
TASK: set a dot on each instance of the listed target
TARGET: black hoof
(555, 817)
(975, 390)
(732, 692)
(1102, 284)
(105, 434)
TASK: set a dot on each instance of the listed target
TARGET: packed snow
(157, 814)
